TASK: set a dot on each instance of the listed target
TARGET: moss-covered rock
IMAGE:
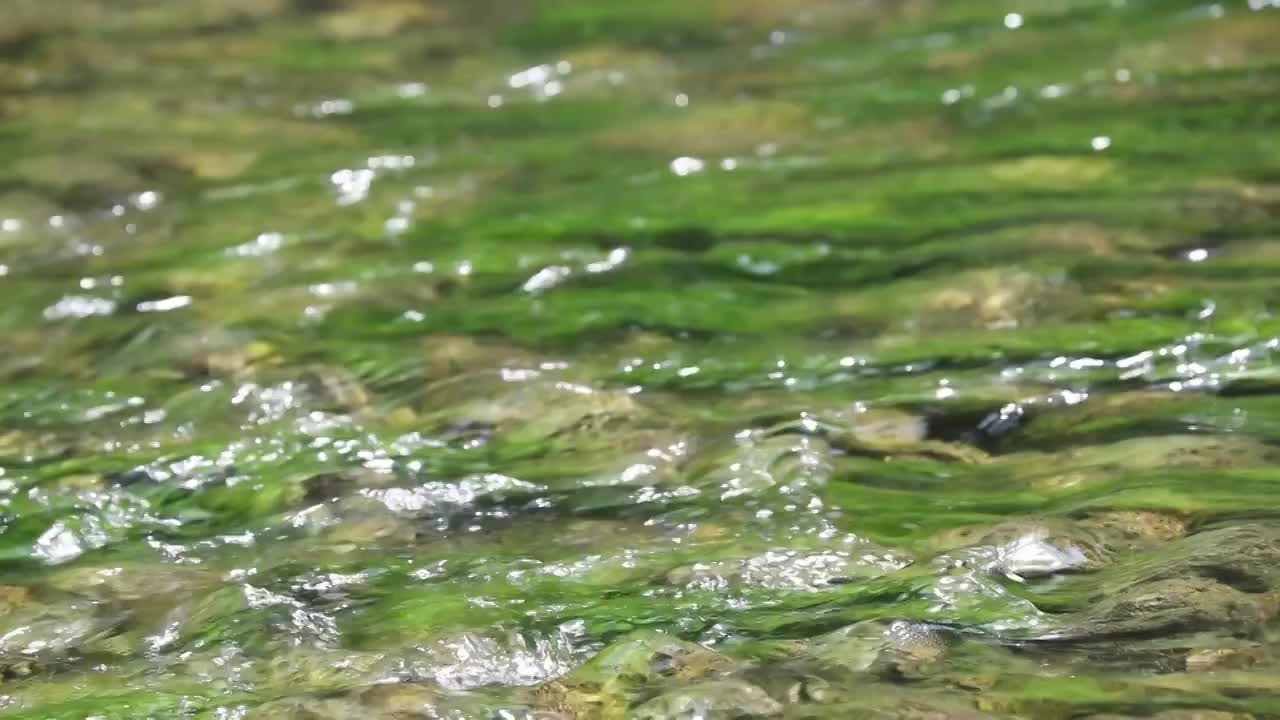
(716, 699)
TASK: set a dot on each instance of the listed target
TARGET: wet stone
(1170, 606)
(899, 647)
(794, 687)
(363, 20)
(602, 687)
(1228, 658)
(27, 446)
(37, 634)
(221, 355)
(721, 700)
(994, 299)
(892, 433)
(13, 597)
(652, 656)
(399, 699)
(305, 709)
(1185, 714)
(793, 465)
(1245, 557)
(337, 389)
(1220, 579)
(546, 408)
(309, 669)
(134, 582)
(721, 130)
(1139, 525)
(445, 355)
(1031, 549)
(1178, 451)
(366, 527)
(793, 570)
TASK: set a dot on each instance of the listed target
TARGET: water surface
(676, 359)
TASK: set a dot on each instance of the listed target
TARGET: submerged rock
(28, 446)
(1095, 465)
(34, 634)
(561, 700)
(1036, 547)
(1169, 606)
(336, 389)
(1232, 42)
(808, 15)
(398, 701)
(795, 465)
(1180, 714)
(382, 701)
(359, 20)
(99, 176)
(1007, 297)
(1227, 579)
(893, 433)
(713, 130)
(136, 582)
(1234, 657)
(898, 647)
(1139, 525)
(14, 597)
(360, 526)
(718, 700)
(313, 669)
(653, 656)
(793, 570)
(1034, 554)
(793, 683)
(602, 687)
(465, 661)
(218, 353)
(1208, 452)
(536, 407)
(306, 709)
(1246, 557)
(445, 355)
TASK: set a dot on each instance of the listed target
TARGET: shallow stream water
(671, 359)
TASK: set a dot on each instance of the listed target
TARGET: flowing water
(670, 359)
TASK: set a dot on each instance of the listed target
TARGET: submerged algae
(802, 359)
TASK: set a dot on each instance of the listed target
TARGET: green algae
(678, 359)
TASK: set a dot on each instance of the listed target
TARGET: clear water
(676, 359)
